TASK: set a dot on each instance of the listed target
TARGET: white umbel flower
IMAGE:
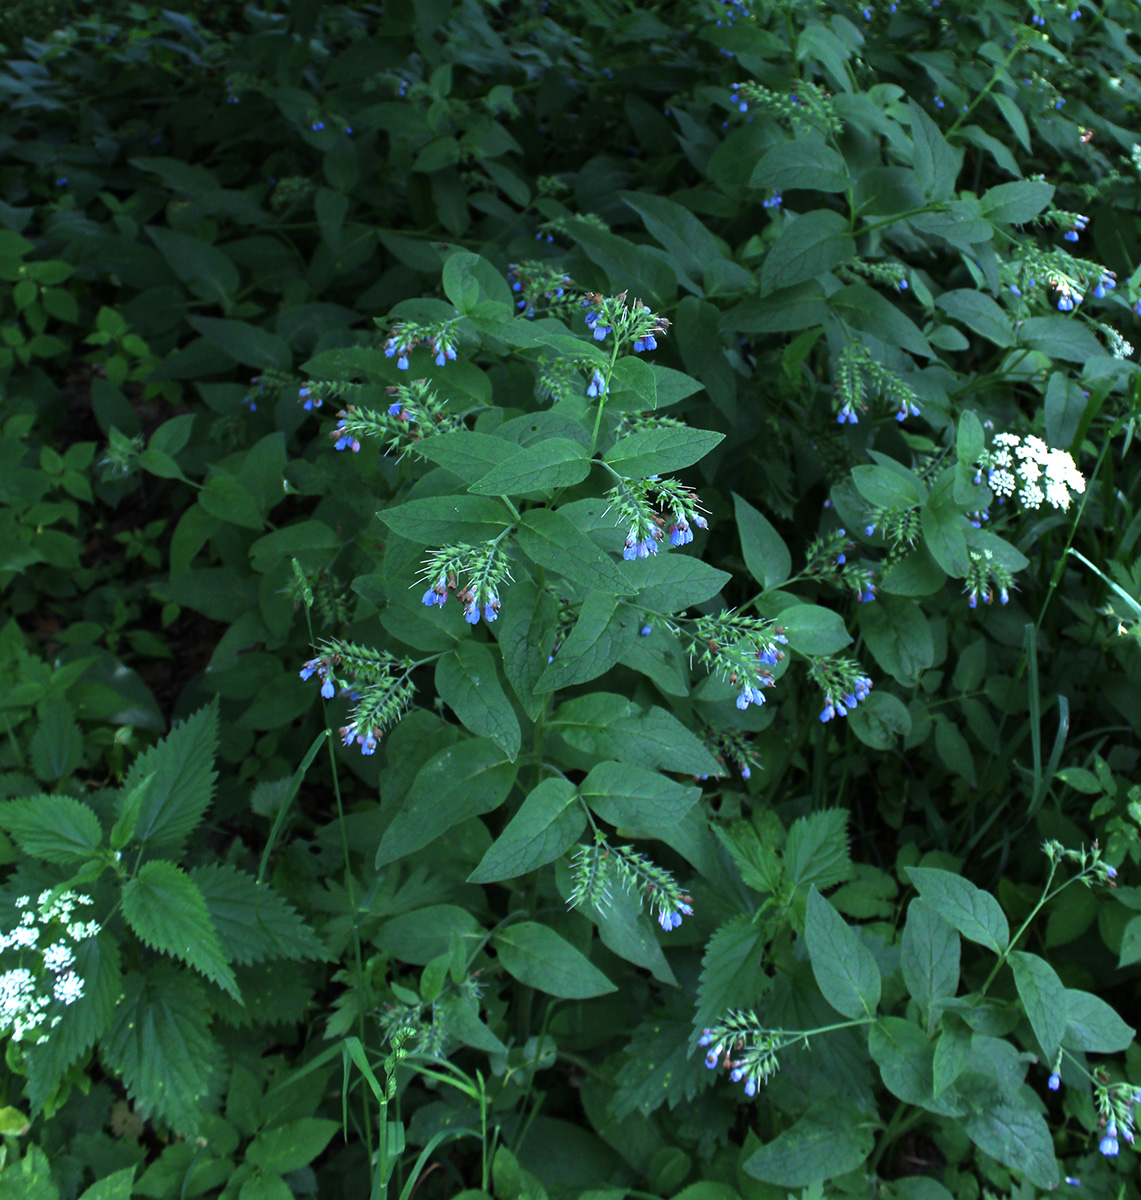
(1032, 470)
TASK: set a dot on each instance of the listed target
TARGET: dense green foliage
(485, 482)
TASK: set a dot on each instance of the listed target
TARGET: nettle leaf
(816, 850)
(55, 829)
(808, 246)
(732, 971)
(832, 1138)
(929, 953)
(57, 745)
(974, 913)
(536, 956)
(160, 1045)
(1043, 995)
(81, 1023)
(547, 824)
(253, 921)
(550, 540)
(543, 466)
(183, 783)
(658, 451)
(659, 1068)
(461, 781)
(625, 795)
(765, 553)
(468, 683)
(164, 907)
(844, 967)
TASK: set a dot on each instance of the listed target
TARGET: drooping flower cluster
(731, 745)
(597, 864)
(485, 568)
(373, 677)
(843, 683)
(740, 650)
(899, 527)
(1115, 1103)
(416, 412)
(891, 274)
(651, 509)
(859, 376)
(439, 337)
(268, 385)
(540, 286)
(742, 1045)
(633, 325)
(1030, 468)
(45, 939)
(1070, 277)
(986, 578)
(809, 106)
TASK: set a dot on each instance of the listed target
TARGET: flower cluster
(897, 526)
(748, 1051)
(486, 569)
(1032, 469)
(1115, 1103)
(827, 561)
(269, 383)
(986, 577)
(383, 694)
(734, 746)
(809, 106)
(597, 864)
(634, 324)
(1070, 277)
(48, 929)
(891, 274)
(539, 284)
(653, 508)
(416, 412)
(858, 375)
(740, 650)
(843, 684)
(405, 336)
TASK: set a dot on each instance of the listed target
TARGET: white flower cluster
(1030, 468)
(25, 993)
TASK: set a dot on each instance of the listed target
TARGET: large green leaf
(56, 829)
(974, 913)
(550, 540)
(536, 955)
(547, 824)
(844, 967)
(468, 683)
(832, 1138)
(657, 451)
(626, 795)
(808, 246)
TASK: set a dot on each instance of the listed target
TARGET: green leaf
(254, 922)
(205, 268)
(805, 163)
(161, 1047)
(671, 583)
(637, 377)
(863, 308)
(904, 1057)
(550, 540)
(812, 629)
(469, 280)
(182, 785)
(542, 466)
(625, 795)
(291, 1146)
(952, 1052)
(116, 1186)
(979, 312)
(880, 720)
(899, 637)
(732, 970)
(1093, 1026)
(1043, 997)
(1065, 406)
(974, 913)
(816, 849)
(467, 682)
(935, 163)
(526, 630)
(626, 931)
(434, 520)
(832, 1138)
(765, 553)
(686, 238)
(1018, 1138)
(605, 629)
(1012, 114)
(844, 967)
(547, 824)
(81, 1023)
(461, 781)
(660, 450)
(944, 529)
(536, 956)
(929, 955)
(888, 487)
(164, 907)
(57, 744)
(1060, 337)
(245, 343)
(55, 829)
(807, 247)
(1016, 203)
(466, 454)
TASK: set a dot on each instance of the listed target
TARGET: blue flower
(751, 695)
(646, 630)
(394, 410)
(869, 595)
(328, 690)
(1054, 1082)
(1016, 289)
(706, 1038)
(768, 656)
(746, 772)
(471, 612)
(680, 533)
(870, 530)
(600, 332)
(491, 608)
(1065, 304)
(369, 744)
(751, 1088)
(402, 362)
(841, 559)
(1109, 1146)
(847, 413)
(713, 1058)
(597, 385)
(1071, 235)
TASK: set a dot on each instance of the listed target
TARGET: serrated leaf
(816, 851)
(57, 744)
(844, 967)
(161, 1048)
(183, 783)
(116, 1186)
(461, 781)
(468, 683)
(732, 970)
(536, 955)
(659, 1068)
(55, 829)
(164, 907)
(252, 920)
(547, 824)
